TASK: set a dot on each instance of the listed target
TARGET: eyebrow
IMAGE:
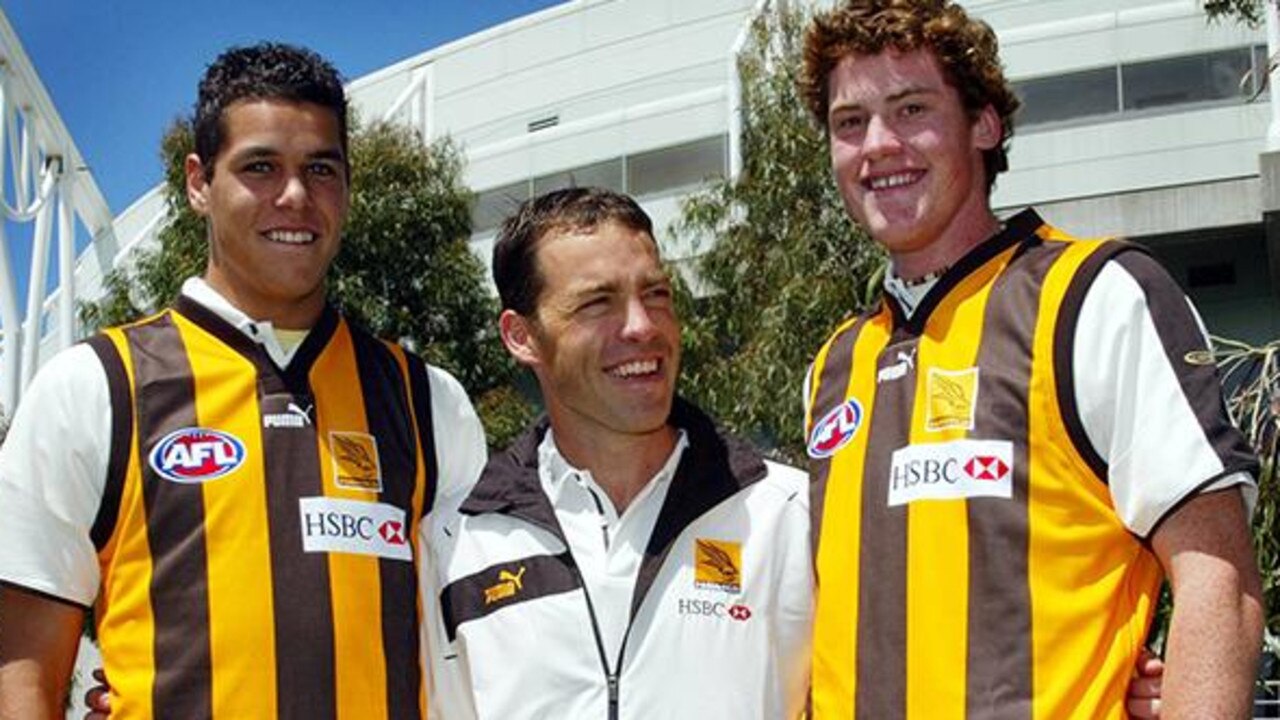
(895, 96)
(607, 287)
(254, 152)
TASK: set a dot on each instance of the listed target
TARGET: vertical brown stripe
(301, 606)
(387, 412)
(882, 563)
(165, 401)
(999, 683)
(420, 387)
(104, 523)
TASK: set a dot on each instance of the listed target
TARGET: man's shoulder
(792, 481)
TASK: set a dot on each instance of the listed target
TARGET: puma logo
(508, 585)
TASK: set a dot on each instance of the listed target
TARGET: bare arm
(1215, 634)
(38, 642)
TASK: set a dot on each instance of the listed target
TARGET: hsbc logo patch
(196, 455)
(392, 532)
(986, 467)
(689, 607)
(951, 471)
(354, 526)
(835, 429)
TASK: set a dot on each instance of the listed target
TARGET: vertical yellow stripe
(835, 663)
(938, 592)
(236, 526)
(354, 580)
(126, 627)
(1092, 583)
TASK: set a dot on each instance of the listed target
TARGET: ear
(517, 335)
(197, 185)
(987, 129)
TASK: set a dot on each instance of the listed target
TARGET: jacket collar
(714, 467)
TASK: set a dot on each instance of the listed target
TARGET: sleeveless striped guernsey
(969, 562)
(257, 531)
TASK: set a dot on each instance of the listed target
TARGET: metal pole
(1272, 11)
(10, 320)
(31, 329)
(66, 264)
(12, 325)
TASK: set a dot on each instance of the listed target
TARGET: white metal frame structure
(44, 185)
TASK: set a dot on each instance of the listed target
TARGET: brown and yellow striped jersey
(257, 532)
(970, 561)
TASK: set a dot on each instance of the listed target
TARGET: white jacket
(720, 616)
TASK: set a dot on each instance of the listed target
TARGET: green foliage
(405, 271)
(786, 265)
(154, 276)
(1246, 11)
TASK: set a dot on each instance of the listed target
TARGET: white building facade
(1136, 123)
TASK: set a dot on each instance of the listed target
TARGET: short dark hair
(266, 71)
(579, 209)
(966, 49)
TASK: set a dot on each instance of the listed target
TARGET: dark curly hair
(265, 71)
(966, 49)
(579, 209)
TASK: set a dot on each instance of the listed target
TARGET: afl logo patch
(835, 429)
(195, 455)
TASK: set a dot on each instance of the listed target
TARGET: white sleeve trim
(1132, 406)
(53, 468)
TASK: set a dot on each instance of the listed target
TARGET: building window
(1224, 76)
(679, 166)
(1065, 97)
(1186, 80)
(491, 207)
(607, 174)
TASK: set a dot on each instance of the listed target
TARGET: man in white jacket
(623, 559)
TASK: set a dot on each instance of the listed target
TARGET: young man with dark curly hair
(238, 483)
(1022, 440)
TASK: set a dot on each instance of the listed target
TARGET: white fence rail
(44, 188)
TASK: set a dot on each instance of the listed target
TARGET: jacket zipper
(611, 674)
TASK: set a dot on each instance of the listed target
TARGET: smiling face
(604, 340)
(275, 205)
(908, 158)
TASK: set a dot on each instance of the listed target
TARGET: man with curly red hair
(1016, 447)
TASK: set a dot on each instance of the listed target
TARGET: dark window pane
(491, 207)
(1259, 71)
(675, 167)
(1065, 97)
(1183, 80)
(607, 174)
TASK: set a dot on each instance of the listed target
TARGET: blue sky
(119, 71)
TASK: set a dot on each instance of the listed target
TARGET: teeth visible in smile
(639, 367)
(290, 237)
(892, 181)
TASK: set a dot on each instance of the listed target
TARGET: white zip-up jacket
(720, 615)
